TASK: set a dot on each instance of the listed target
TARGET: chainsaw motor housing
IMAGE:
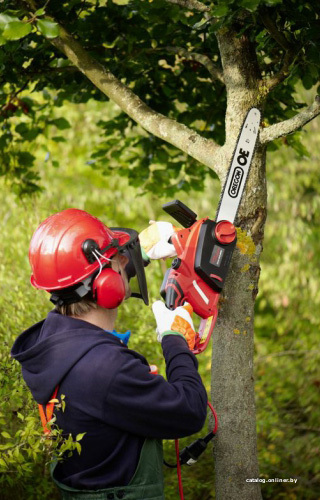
(204, 250)
(214, 250)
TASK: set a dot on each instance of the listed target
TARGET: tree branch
(290, 50)
(288, 126)
(291, 352)
(215, 72)
(272, 81)
(191, 5)
(272, 28)
(177, 134)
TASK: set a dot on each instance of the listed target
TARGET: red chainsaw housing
(198, 273)
(184, 280)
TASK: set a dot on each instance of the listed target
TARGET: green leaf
(307, 81)
(21, 128)
(220, 11)
(5, 435)
(25, 159)
(250, 5)
(40, 12)
(48, 28)
(80, 436)
(5, 19)
(16, 30)
(60, 123)
(58, 138)
(296, 144)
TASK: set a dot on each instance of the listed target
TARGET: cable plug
(190, 454)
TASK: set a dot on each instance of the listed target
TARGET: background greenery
(287, 318)
(148, 45)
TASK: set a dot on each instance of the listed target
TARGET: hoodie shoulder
(51, 348)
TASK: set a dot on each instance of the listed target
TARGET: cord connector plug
(190, 454)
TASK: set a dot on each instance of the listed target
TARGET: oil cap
(225, 232)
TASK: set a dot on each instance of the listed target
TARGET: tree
(183, 73)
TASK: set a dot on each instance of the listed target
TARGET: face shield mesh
(135, 267)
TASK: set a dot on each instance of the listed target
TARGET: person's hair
(77, 308)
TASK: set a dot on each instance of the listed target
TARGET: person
(110, 394)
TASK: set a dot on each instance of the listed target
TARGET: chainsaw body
(197, 275)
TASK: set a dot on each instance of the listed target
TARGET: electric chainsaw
(205, 247)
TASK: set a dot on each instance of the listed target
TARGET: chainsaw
(205, 247)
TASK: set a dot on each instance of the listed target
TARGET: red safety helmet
(69, 256)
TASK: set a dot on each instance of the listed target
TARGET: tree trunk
(235, 445)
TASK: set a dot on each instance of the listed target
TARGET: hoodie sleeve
(150, 406)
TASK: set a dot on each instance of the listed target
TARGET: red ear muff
(108, 289)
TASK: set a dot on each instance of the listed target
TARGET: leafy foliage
(147, 45)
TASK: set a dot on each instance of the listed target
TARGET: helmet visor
(131, 248)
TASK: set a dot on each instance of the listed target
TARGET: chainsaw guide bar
(239, 168)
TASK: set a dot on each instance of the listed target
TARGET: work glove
(176, 322)
(154, 240)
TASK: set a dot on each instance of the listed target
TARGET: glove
(176, 322)
(154, 240)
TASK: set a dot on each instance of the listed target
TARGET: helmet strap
(73, 294)
(78, 292)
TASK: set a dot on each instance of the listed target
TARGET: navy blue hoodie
(110, 395)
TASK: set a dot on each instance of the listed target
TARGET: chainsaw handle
(171, 292)
(201, 346)
(174, 297)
